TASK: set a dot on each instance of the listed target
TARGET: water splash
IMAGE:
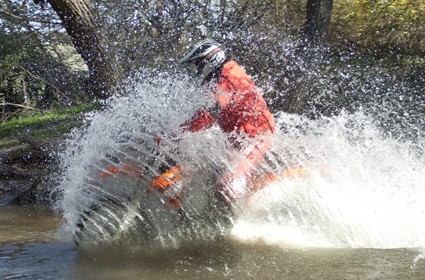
(126, 133)
(361, 189)
(358, 188)
(417, 259)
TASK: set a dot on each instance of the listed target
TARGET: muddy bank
(27, 171)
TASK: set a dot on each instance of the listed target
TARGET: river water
(356, 210)
(30, 248)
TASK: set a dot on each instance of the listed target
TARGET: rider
(240, 111)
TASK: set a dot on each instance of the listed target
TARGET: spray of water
(360, 189)
(139, 133)
(357, 188)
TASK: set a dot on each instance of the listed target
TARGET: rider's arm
(201, 120)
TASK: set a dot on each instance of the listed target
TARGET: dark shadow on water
(37, 260)
(187, 261)
(226, 259)
(222, 259)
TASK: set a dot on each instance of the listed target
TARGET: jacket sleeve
(201, 120)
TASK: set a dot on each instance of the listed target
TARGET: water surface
(31, 247)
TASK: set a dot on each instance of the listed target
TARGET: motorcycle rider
(241, 112)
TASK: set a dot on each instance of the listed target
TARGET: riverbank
(26, 170)
(29, 148)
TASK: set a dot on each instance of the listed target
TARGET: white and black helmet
(207, 55)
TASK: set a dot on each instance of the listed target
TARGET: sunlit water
(31, 249)
(356, 210)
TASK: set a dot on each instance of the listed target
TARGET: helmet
(207, 55)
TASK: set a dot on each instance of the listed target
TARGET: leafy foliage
(33, 73)
(396, 25)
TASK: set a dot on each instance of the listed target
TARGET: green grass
(42, 125)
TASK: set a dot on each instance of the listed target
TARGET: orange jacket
(242, 108)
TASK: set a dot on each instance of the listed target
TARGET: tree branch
(58, 93)
(28, 19)
(20, 105)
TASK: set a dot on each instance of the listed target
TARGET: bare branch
(58, 92)
(21, 106)
(28, 19)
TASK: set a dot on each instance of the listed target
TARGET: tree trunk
(307, 56)
(80, 23)
(317, 21)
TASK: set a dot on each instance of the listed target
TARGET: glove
(169, 184)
